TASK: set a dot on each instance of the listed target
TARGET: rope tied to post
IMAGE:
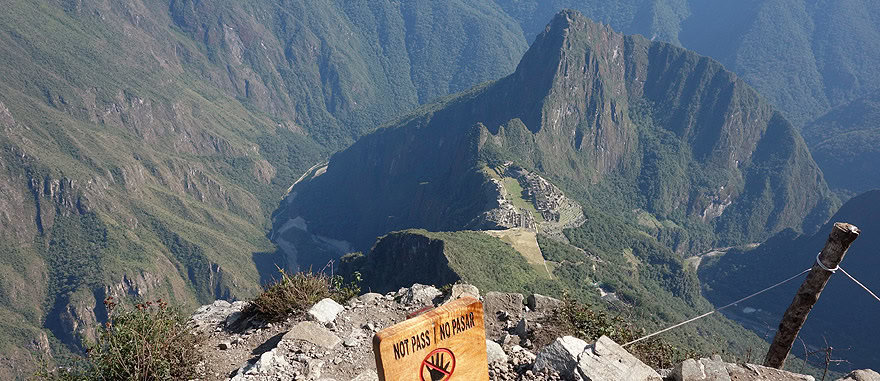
(822, 265)
(834, 270)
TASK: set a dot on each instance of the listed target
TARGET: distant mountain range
(144, 146)
(846, 144)
(806, 57)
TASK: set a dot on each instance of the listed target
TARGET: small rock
(367, 375)
(325, 311)
(212, 315)
(495, 353)
(509, 339)
(538, 302)
(369, 326)
(224, 345)
(269, 363)
(354, 338)
(522, 328)
(314, 368)
(523, 353)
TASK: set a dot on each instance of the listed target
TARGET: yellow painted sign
(447, 343)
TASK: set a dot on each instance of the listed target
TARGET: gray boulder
(538, 302)
(314, 333)
(495, 353)
(499, 308)
(494, 302)
(715, 369)
(212, 315)
(562, 356)
(420, 295)
(325, 311)
(460, 290)
(370, 297)
(861, 375)
(607, 361)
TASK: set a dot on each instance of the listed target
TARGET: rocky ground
(334, 342)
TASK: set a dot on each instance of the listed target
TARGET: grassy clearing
(515, 195)
(526, 243)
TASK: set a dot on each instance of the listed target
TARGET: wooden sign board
(446, 343)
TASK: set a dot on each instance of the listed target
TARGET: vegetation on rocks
(150, 341)
(295, 294)
(589, 323)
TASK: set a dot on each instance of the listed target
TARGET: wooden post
(842, 235)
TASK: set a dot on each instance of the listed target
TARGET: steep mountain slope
(143, 145)
(647, 294)
(618, 122)
(804, 56)
(844, 310)
(846, 144)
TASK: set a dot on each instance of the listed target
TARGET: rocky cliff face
(611, 119)
(333, 342)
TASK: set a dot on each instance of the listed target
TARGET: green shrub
(148, 342)
(294, 294)
(578, 319)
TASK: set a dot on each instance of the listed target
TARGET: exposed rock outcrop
(340, 349)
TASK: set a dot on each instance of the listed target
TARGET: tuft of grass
(296, 293)
(148, 342)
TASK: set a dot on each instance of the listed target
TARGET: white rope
(834, 270)
(860, 284)
(822, 265)
(719, 308)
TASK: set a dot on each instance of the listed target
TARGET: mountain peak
(591, 109)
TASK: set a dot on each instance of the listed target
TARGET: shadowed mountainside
(618, 122)
(144, 145)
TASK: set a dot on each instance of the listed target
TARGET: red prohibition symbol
(438, 365)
